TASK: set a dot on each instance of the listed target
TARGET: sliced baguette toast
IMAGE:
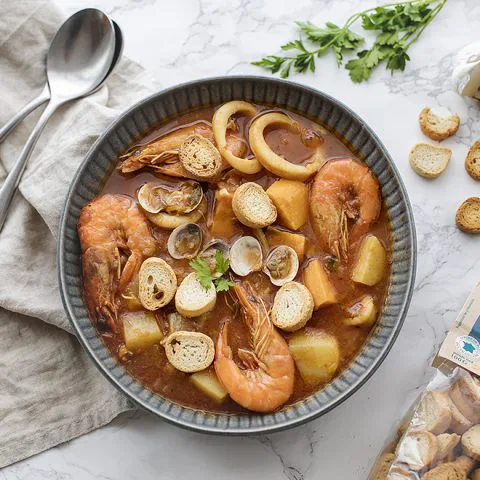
(438, 127)
(252, 206)
(192, 299)
(157, 283)
(472, 162)
(292, 307)
(200, 157)
(429, 161)
(189, 351)
(468, 215)
(471, 442)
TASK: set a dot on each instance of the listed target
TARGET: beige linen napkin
(50, 391)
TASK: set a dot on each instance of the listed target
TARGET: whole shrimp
(162, 155)
(343, 189)
(109, 226)
(267, 380)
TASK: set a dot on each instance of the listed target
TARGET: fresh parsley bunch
(205, 276)
(398, 26)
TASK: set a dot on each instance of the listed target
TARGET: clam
(281, 265)
(185, 241)
(246, 256)
(210, 250)
(185, 198)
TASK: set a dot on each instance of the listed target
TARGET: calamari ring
(219, 126)
(171, 221)
(273, 162)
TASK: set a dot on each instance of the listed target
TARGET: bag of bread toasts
(439, 438)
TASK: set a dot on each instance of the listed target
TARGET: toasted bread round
(446, 471)
(292, 307)
(460, 424)
(157, 283)
(429, 161)
(471, 442)
(418, 449)
(465, 463)
(466, 396)
(189, 351)
(192, 299)
(200, 157)
(446, 443)
(381, 468)
(472, 162)
(436, 126)
(434, 412)
(468, 215)
(252, 206)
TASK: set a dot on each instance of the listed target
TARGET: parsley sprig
(205, 275)
(398, 26)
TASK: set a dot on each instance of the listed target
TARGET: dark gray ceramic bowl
(160, 107)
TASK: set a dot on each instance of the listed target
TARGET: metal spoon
(44, 95)
(79, 59)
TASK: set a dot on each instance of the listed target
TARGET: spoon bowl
(81, 54)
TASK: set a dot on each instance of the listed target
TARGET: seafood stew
(237, 258)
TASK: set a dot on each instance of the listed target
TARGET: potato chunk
(208, 383)
(277, 237)
(225, 223)
(316, 280)
(140, 330)
(130, 296)
(291, 199)
(316, 355)
(363, 313)
(371, 262)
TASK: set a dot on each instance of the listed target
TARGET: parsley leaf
(222, 284)
(202, 269)
(397, 27)
(205, 275)
(222, 264)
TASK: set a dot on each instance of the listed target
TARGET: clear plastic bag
(439, 439)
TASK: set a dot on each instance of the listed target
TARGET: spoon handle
(42, 97)
(7, 190)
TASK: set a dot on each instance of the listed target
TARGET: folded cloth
(50, 391)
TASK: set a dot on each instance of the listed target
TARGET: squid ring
(273, 162)
(219, 125)
(170, 221)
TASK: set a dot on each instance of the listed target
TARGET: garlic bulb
(466, 72)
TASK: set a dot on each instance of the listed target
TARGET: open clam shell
(246, 256)
(209, 252)
(185, 241)
(281, 265)
(154, 198)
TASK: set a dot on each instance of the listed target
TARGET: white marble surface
(186, 39)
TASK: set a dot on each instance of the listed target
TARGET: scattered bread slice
(418, 449)
(189, 351)
(471, 442)
(429, 161)
(292, 307)
(460, 424)
(192, 299)
(466, 396)
(200, 157)
(468, 215)
(472, 162)
(446, 471)
(252, 206)
(438, 127)
(434, 412)
(446, 443)
(380, 471)
(157, 283)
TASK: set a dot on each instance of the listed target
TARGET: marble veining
(187, 39)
